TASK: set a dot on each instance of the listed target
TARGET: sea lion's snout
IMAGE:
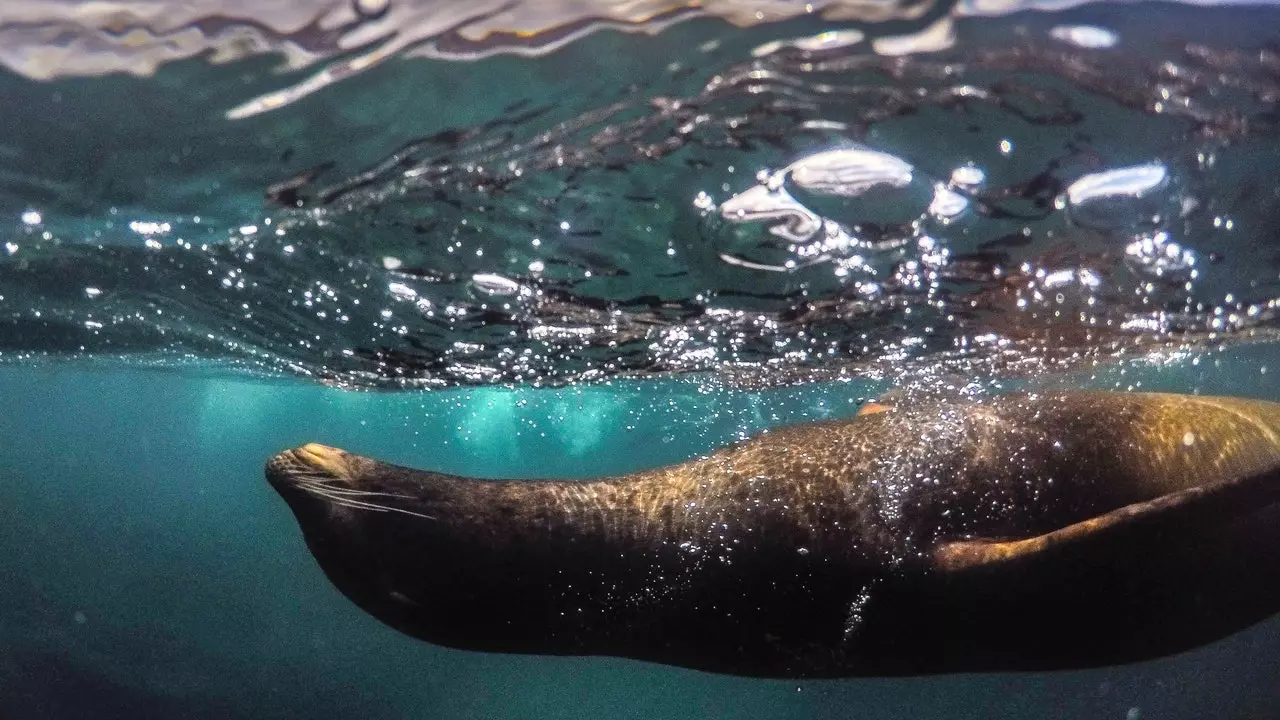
(309, 463)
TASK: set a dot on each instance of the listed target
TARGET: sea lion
(1014, 532)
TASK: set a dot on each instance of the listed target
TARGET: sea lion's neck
(595, 566)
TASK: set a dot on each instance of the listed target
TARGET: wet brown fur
(915, 539)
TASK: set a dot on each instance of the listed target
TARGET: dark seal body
(1015, 532)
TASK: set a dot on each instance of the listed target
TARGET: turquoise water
(550, 238)
(150, 572)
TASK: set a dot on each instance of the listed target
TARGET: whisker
(310, 475)
(324, 480)
(363, 493)
(346, 501)
(343, 503)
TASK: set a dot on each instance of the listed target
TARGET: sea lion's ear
(1189, 510)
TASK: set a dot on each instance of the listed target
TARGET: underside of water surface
(541, 194)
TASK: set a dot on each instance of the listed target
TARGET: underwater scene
(858, 359)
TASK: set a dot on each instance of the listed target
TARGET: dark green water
(150, 572)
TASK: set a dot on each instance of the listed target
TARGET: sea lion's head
(315, 478)
(348, 507)
(324, 483)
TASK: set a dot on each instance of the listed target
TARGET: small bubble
(371, 9)
(1189, 439)
(79, 617)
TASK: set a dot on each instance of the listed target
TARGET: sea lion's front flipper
(1186, 511)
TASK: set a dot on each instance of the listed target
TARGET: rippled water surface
(414, 194)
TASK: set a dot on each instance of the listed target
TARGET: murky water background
(578, 240)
